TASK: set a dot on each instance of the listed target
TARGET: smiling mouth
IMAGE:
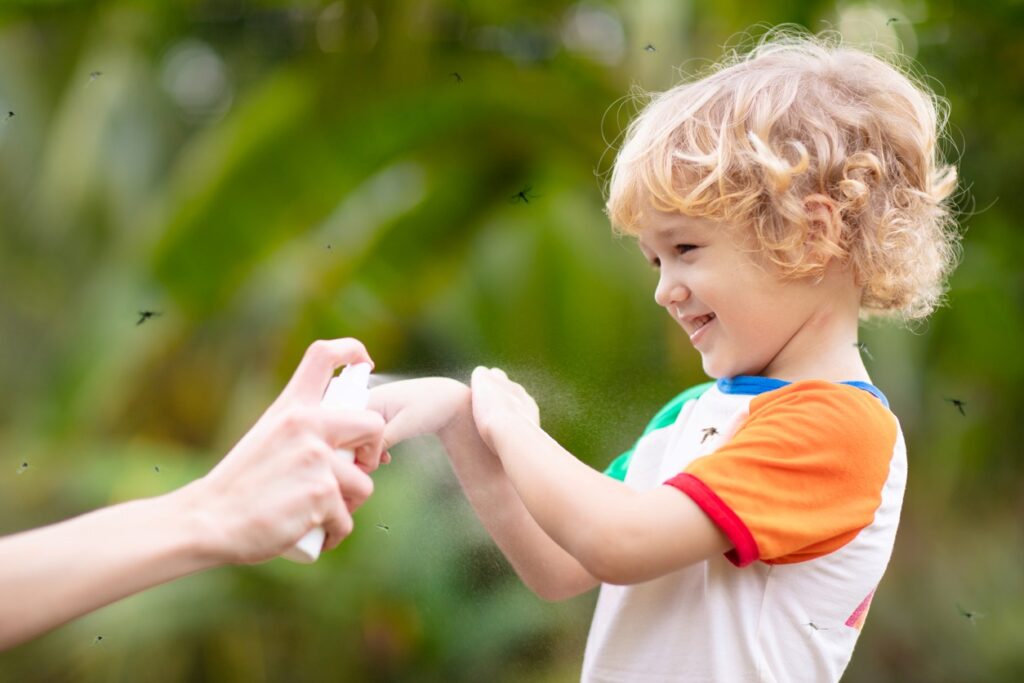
(700, 323)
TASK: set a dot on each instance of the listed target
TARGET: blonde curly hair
(801, 120)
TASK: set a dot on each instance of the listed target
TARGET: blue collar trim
(752, 384)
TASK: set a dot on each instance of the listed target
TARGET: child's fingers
(480, 385)
(491, 377)
(388, 399)
(508, 384)
(514, 395)
(516, 386)
(479, 380)
(489, 384)
(317, 366)
(401, 427)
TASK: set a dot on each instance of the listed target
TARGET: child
(781, 198)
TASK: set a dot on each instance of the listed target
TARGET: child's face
(740, 316)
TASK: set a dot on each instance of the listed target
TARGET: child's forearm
(51, 575)
(617, 534)
(543, 565)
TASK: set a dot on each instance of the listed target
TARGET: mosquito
(146, 315)
(863, 348)
(892, 20)
(815, 626)
(524, 195)
(156, 468)
(97, 640)
(707, 431)
(10, 115)
(24, 466)
(456, 76)
(969, 616)
(959, 404)
(93, 75)
(383, 527)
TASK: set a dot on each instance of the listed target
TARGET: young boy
(781, 198)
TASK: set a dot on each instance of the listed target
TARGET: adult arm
(281, 479)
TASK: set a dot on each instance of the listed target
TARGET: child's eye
(684, 248)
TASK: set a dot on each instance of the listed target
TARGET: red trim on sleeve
(745, 548)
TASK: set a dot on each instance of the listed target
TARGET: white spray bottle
(347, 391)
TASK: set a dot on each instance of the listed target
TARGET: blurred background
(192, 192)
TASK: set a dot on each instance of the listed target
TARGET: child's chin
(712, 369)
(716, 369)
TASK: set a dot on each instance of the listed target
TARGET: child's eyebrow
(673, 232)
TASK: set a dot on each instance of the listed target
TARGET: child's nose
(670, 292)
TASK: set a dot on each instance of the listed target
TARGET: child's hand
(418, 406)
(496, 398)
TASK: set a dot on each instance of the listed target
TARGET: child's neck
(836, 367)
(826, 345)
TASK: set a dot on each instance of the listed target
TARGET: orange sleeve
(801, 477)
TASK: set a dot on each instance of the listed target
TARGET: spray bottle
(347, 391)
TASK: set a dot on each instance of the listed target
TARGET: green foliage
(318, 170)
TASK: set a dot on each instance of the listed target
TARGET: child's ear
(824, 229)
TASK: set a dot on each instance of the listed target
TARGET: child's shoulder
(819, 393)
(670, 411)
(856, 413)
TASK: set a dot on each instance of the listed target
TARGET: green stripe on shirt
(664, 418)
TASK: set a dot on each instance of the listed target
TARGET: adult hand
(283, 478)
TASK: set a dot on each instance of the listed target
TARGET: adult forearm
(543, 565)
(53, 574)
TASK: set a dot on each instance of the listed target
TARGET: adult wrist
(203, 540)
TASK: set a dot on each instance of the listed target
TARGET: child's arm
(617, 534)
(443, 406)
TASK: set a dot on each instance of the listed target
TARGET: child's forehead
(661, 226)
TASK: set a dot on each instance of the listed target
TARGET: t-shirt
(806, 479)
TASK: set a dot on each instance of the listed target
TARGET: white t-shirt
(806, 479)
